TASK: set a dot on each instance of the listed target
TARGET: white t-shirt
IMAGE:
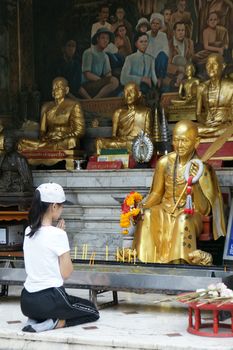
(41, 254)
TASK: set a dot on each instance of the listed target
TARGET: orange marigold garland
(129, 210)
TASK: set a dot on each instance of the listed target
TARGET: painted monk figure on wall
(182, 15)
(224, 10)
(215, 39)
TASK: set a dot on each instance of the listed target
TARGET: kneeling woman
(47, 262)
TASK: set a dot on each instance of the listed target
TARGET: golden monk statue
(127, 121)
(62, 122)
(166, 235)
(214, 100)
(188, 88)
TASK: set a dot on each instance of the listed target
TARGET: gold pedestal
(176, 112)
(223, 154)
(48, 157)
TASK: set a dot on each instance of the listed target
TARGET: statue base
(111, 157)
(95, 165)
(50, 157)
(20, 200)
(223, 154)
(142, 165)
(175, 112)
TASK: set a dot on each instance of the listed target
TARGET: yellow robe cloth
(164, 237)
(217, 106)
(61, 127)
(127, 124)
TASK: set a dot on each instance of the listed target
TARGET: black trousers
(55, 303)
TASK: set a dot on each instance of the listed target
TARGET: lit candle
(75, 252)
(134, 256)
(106, 253)
(117, 254)
(91, 258)
(146, 258)
(83, 254)
(129, 255)
(86, 247)
(123, 255)
(155, 254)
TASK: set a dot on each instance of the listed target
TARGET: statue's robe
(61, 127)
(217, 107)
(127, 124)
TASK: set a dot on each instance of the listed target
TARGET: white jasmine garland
(213, 293)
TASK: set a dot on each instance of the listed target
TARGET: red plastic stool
(196, 327)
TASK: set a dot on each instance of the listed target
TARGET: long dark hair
(36, 213)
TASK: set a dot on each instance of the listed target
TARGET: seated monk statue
(166, 233)
(127, 122)
(62, 122)
(15, 173)
(214, 100)
(188, 88)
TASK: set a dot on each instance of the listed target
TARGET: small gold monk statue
(127, 122)
(62, 122)
(188, 88)
(166, 235)
(214, 100)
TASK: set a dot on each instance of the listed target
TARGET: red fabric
(190, 179)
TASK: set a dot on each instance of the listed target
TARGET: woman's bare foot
(60, 324)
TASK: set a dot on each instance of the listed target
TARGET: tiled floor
(136, 323)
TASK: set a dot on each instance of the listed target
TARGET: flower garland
(129, 210)
(214, 293)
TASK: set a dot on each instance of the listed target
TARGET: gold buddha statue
(62, 122)
(127, 122)
(214, 100)
(188, 88)
(165, 233)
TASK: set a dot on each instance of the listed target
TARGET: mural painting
(100, 46)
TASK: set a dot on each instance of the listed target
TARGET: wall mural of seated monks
(93, 43)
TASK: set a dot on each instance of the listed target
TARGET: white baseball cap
(52, 192)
